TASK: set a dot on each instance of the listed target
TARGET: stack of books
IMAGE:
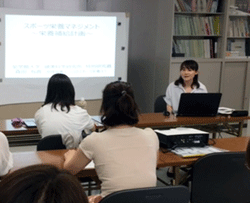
(211, 6)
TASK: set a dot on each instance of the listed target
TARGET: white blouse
(69, 125)
(6, 160)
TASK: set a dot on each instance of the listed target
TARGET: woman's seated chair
(160, 104)
(170, 194)
(51, 142)
(54, 142)
(221, 177)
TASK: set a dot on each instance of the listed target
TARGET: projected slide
(78, 46)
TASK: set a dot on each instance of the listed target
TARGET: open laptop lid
(199, 104)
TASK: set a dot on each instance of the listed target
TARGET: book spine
(247, 47)
(208, 30)
(211, 48)
(189, 25)
(214, 6)
(187, 6)
(216, 25)
(215, 49)
(198, 6)
(211, 24)
(242, 5)
(246, 28)
(193, 5)
(181, 5)
(195, 25)
(204, 6)
(209, 5)
(177, 6)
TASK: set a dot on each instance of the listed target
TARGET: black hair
(190, 65)
(60, 90)
(118, 105)
(41, 184)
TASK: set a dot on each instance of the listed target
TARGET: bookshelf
(197, 23)
(238, 36)
(235, 77)
(217, 37)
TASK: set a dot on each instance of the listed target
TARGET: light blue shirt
(173, 94)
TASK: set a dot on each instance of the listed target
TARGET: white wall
(59, 5)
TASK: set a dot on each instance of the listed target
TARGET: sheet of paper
(90, 165)
(196, 151)
(180, 131)
(97, 120)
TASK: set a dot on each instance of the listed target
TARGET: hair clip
(17, 122)
(124, 92)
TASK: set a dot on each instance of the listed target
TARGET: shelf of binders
(198, 13)
(205, 6)
(196, 36)
(179, 60)
(195, 48)
(238, 26)
(197, 25)
(197, 28)
(238, 36)
(238, 47)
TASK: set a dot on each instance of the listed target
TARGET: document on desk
(29, 123)
(90, 165)
(97, 120)
(180, 131)
(187, 152)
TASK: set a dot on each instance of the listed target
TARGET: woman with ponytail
(125, 157)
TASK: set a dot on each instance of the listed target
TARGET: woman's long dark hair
(191, 65)
(118, 105)
(60, 91)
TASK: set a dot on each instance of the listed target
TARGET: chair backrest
(169, 194)
(221, 177)
(160, 104)
(50, 142)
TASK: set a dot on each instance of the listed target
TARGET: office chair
(54, 142)
(170, 194)
(221, 177)
(51, 142)
(160, 104)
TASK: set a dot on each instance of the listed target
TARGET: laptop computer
(199, 104)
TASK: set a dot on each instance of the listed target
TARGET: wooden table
(55, 157)
(158, 120)
(30, 136)
(237, 144)
(19, 136)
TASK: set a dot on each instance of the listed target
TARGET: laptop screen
(199, 104)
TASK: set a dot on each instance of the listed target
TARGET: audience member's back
(125, 157)
(6, 161)
(60, 115)
(41, 184)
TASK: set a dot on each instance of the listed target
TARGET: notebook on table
(199, 104)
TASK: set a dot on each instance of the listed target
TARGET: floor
(161, 173)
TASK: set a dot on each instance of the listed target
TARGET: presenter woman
(186, 83)
(60, 115)
(125, 156)
(6, 161)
